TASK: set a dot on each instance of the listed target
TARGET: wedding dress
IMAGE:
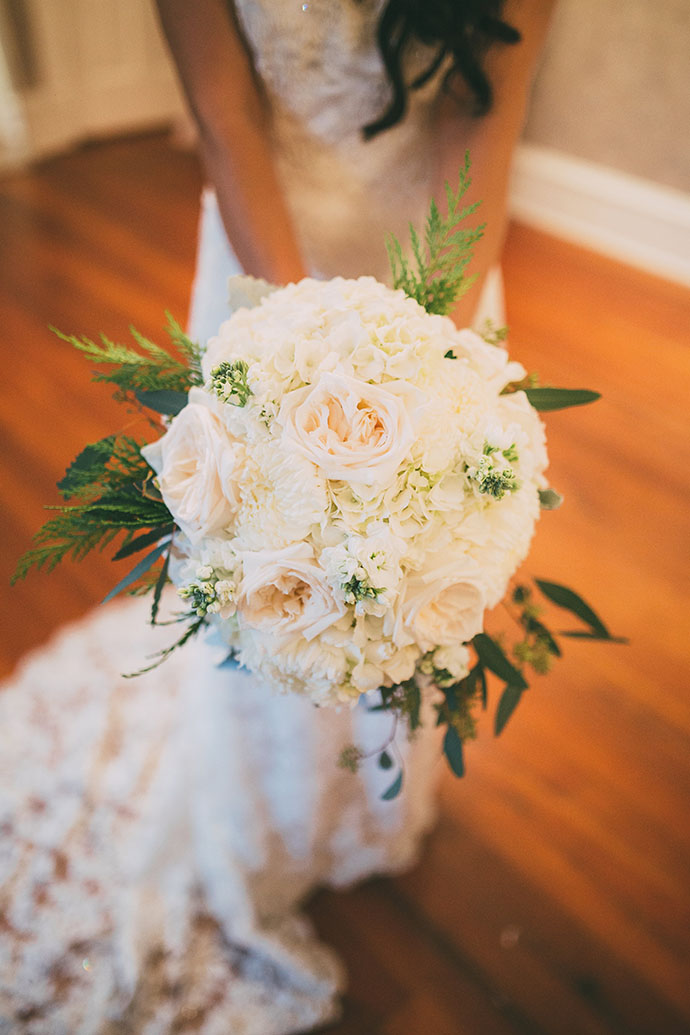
(158, 834)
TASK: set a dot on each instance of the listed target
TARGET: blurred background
(605, 158)
(553, 896)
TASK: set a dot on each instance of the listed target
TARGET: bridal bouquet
(344, 485)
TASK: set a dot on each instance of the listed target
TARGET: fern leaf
(439, 278)
(146, 368)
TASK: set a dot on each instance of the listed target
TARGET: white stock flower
(351, 430)
(364, 570)
(198, 467)
(285, 593)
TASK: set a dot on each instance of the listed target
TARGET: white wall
(614, 87)
(98, 67)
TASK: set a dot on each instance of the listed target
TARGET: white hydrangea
(369, 492)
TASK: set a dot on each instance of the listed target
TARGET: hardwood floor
(553, 895)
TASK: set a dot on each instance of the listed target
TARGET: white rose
(286, 593)
(197, 466)
(352, 431)
(442, 605)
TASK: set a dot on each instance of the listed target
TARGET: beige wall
(614, 87)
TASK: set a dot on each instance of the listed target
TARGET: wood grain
(553, 895)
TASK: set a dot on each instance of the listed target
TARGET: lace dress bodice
(324, 80)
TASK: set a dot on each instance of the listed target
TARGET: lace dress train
(159, 833)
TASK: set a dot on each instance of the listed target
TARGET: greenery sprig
(535, 649)
(437, 278)
(150, 375)
(111, 490)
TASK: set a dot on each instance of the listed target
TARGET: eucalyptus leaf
(537, 628)
(481, 675)
(163, 400)
(549, 499)
(452, 749)
(545, 399)
(140, 541)
(569, 600)
(581, 634)
(140, 569)
(385, 760)
(493, 658)
(159, 587)
(506, 706)
(394, 789)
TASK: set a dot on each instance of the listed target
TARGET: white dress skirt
(158, 834)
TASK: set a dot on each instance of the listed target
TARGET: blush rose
(351, 430)
(286, 593)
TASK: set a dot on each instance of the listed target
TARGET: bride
(159, 834)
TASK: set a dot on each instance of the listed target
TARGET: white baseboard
(627, 218)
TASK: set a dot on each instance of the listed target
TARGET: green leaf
(566, 598)
(385, 760)
(481, 676)
(159, 587)
(506, 706)
(493, 658)
(143, 566)
(452, 749)
(580, 634)
(162, 400)
(87, 467)
(138, 543)
(394, 789)
(545, 399)
(537, 628)
(549, 499)
(412, 702)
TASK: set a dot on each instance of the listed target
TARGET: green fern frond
(148, 368)
(58, 539)
(191, 350)
(112, 486)
(437, 279)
